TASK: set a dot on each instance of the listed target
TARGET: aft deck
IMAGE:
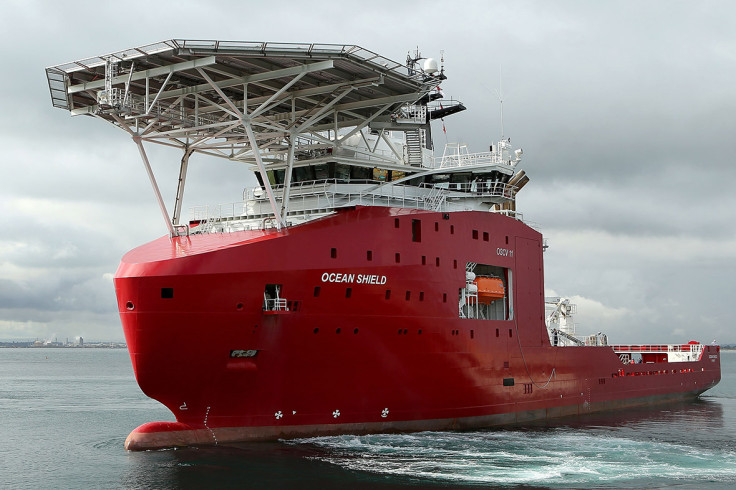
(659, 353)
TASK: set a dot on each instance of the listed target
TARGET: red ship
(364, 285)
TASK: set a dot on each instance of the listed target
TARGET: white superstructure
(323, 126)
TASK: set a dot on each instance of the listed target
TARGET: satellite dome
(430, 66)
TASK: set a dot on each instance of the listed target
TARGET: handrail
(276, 304)
(658, 348)
(315, 197)
(471, 159)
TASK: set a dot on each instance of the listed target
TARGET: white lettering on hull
(337, 277)
(504, 252)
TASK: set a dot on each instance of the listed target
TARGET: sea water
(64, 414)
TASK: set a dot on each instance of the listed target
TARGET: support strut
(182, 180)
(156, 191)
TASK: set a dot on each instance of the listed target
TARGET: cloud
(626, 123)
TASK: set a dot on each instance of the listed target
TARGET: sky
(626, 112)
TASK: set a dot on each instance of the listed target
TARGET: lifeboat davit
(490, 289)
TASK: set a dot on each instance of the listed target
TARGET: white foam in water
(549, 457)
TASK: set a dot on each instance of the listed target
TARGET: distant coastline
(36, 344)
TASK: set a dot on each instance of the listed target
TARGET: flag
(442, 118)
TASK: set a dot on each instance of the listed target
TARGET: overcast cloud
(625, 111)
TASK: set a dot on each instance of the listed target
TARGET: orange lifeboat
(489, 289)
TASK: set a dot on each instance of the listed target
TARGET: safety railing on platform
(276, 304)
(696, 348)
(314, 197)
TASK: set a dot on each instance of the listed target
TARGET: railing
(659, 353)
(136, 105)
(304, 49)
(277, 304)
(315, 197)
(478, 188)
(659, 348)
(471, 159)
(218, 211)
(435, 199)
(412, 113)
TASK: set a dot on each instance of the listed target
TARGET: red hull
(348, 357)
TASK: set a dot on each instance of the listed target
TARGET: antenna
(500, 97)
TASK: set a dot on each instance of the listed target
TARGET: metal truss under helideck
(248, 102)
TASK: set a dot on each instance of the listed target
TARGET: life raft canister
(490, 289)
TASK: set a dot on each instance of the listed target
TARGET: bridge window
(361, 173)
(342, 172)
(322, 171)
(303, 174)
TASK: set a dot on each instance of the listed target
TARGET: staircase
(435, 200)
(414, 147)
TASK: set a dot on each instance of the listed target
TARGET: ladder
(414, 147)
(572, 338)
(435, 199)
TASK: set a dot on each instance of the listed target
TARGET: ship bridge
(310, 119)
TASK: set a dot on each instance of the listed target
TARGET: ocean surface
(64, 414)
